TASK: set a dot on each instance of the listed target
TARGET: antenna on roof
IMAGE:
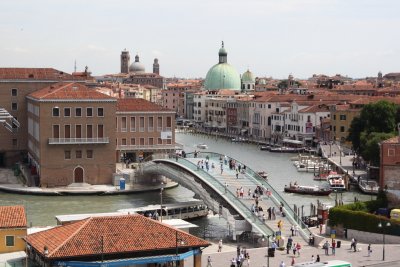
(75, 66)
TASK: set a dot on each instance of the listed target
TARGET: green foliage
(359, 216)
(377, 122)
(370, 150)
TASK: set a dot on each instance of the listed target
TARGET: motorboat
(336, 182)
(308, 190)
(202, 146)
(323, 176)
(369, 187)
(284, 149)
(263, 174)
(267, 148)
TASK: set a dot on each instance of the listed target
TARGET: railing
(276, 197)
(150, 147)
(64, 141)
(243, 209)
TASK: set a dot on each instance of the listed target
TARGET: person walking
(233, 262)
(293, 261)
(318, 259)
(282, 264)
(312, 258)
(209, 261)
(298, 248)
(333, 247)
(369, 250)
(326, 247)
(296, 230)
(288, 246)
(226, 187)
(292, 229)
(220, 245)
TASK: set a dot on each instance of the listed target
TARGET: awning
(129, 261)
(244, 130)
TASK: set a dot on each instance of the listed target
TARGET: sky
(272, 38)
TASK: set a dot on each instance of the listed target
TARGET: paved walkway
(11, 184)
(247, 183)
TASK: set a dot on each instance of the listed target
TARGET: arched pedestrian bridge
(218, 190)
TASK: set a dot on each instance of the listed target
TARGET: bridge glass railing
(278, 199)
(242, 208)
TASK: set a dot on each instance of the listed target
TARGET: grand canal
(42, 209)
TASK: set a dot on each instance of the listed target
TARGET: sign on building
(166, 135)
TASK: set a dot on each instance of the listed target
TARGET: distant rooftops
(35, 74)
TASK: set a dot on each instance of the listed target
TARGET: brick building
(15, 85)
(143, 128)
(390, 164)
(71, 133)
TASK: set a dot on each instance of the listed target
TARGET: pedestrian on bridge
(209, 261)
(220, 245)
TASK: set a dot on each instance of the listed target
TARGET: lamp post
(340, 155)
(380, 225)
(268, 236)
(336, 203)
(161, 200)
(178, 241)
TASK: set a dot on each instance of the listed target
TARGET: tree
(377, 122)
(370, 150)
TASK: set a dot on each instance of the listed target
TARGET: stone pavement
(11, 184)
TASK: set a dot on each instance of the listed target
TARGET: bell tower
(125, 59)
(156, 67)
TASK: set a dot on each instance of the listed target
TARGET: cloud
(96, 48)
(17, 50)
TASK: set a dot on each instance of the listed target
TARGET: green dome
(248, 77)
(222, 76)
(222, 52)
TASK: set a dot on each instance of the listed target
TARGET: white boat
(185, 210)
(369, 187)
(336, 182)
(202, 146)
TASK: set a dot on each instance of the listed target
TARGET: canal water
(42, 209)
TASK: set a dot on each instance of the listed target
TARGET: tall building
(71, 135)
(15, 85)
(156, 67)
(125, 60)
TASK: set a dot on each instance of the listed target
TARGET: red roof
(120, 234)
(34, 74)
(137, 104)
(393, 140)
(68, 91)
(12, 216)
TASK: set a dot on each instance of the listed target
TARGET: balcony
(148, 147)
(73, 141)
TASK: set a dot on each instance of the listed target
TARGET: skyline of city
(186, 36)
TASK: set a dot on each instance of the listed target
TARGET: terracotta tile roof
(12, 216)
(120, 234)
(137, 104)
(68, 91)
(393, 140)
(35, 74)
(315, 108)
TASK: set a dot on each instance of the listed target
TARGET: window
(67, 112)
(56, 131)
(151, 141)
(159, 141)
(89, 154)
(78, 112)
(14, 106)
(334, 117)
(123, 124)
(78, 154)
(14, 92)
(133, 124)
(78, 131)
(67, 131)
(391, 152)
(89, 112)
(10, 241)
(56, 112)
(151, 124)
(133, 142)
(141, 124)
(123, 142)
(142, 141)
(169, 123)
(342, 117)
(67, 154)
(342, 129)
(100, 131)
(89, 131)
(100, 112)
